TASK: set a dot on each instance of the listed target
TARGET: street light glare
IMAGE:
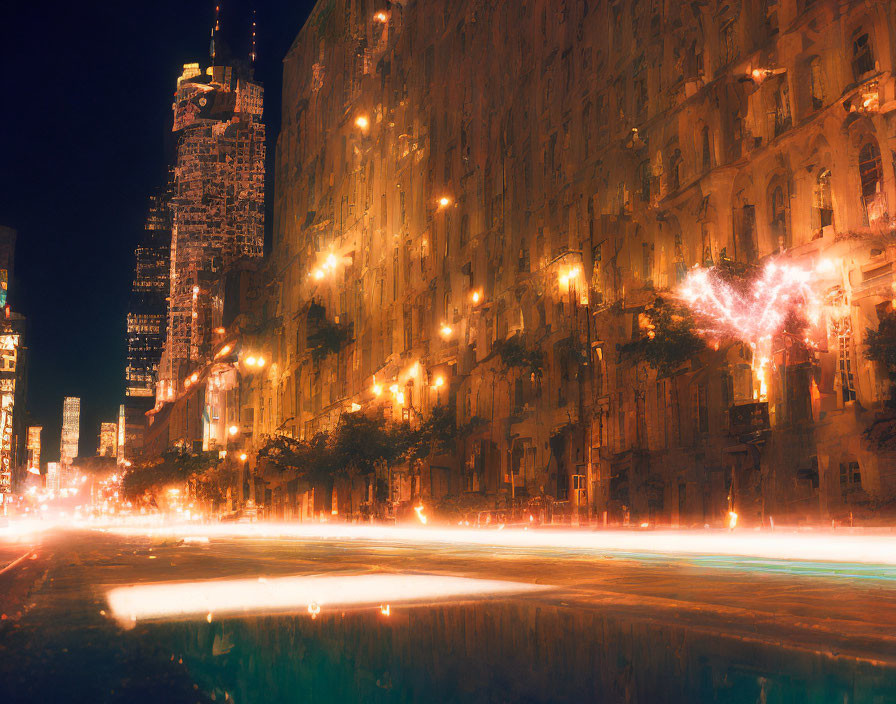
(233, 430)
(362, 122)
(439, 382)
(251, 361)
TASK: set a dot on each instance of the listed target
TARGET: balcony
(749, 419)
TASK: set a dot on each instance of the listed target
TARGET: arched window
(824, 208)
(870, 177)
(862, 54)
(778, 216)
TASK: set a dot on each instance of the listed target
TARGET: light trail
(820, 546)
(311, 594)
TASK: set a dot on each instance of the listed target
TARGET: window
(782, 108)
(816, 83)
(844, 359)
(727, 43)
(862, 55)
(644, 177)
(824, 209)
(523, 261)
(707, 149)
(675, 171)
(771, 17)
(870, 176)
(850, 476)
(745, 241)
(778, 216)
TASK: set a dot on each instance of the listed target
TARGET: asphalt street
(611, 627)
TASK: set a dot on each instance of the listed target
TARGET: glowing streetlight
(377, 389)
(318, 274)
(444, 201)
(251, 361)
(446, 331)
(260, 361)
(399, 397)
(476, 296)
(362, 122)
(393, 389)
(224, 350)
(194, 377)
(439, 382)
(380, 17)
(331, 261)
(243, 457)
(233, 430)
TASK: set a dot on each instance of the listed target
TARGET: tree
(669, 338)
(515, 355)
(99, 464)
(175, 466)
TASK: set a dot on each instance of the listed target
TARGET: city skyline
(73, 352)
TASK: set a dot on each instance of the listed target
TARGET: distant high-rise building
(108, 440)
(71, 419)
(148, 308)
(54, 476)
(217, 206)
(33, 449)
(13, 356)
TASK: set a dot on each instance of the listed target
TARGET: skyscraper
(108, 440)
(33, 448)
(218, 202)
(148, 309)
(71, 419)
(13, 356)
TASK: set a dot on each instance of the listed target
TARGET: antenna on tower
(252, 54)
(215, 29)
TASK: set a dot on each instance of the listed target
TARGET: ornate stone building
(451, 176)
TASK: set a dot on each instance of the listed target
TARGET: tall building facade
(147, 323)
(108, 440)
(33, 449)
(217, 206)
(441, 206)
(71, 431)
(13, 377)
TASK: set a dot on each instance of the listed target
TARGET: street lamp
(233, 430)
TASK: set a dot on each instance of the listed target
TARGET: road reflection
(510, 650)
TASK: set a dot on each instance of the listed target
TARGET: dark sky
(87, 91)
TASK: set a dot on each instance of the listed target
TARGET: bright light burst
(758, 314)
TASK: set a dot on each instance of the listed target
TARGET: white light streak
(824, 546)
(311, 594)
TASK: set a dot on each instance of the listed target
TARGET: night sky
(86, 123)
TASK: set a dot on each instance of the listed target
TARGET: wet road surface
(627, 628)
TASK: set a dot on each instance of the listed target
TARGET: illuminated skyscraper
(218, 202)
(148, 309)
(108, 440)
(71, 419)
(33, 448)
